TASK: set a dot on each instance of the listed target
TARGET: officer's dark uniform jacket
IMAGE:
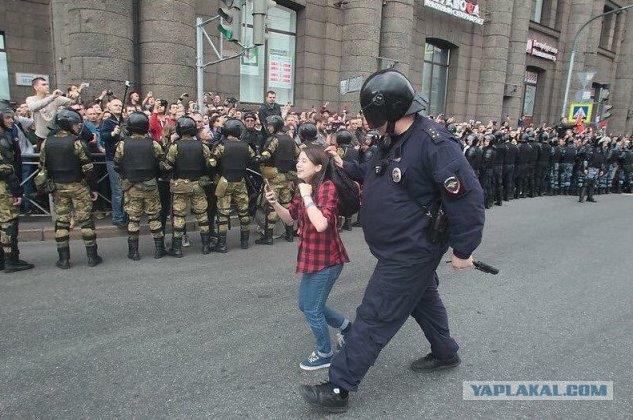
(489, 155)
(10, 155)
(254, 139)
(474, 157)
(235, 160)
(568, 154)
(350, 152)
(429, 165)
(525, 151)
(190, 162)
(62, 164)
(511, 154)
(500, 154)
(595, 158)
(139, 162)
(544, 155)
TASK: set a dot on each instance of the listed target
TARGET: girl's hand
(305, 189)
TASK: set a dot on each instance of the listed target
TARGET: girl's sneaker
(314, 362)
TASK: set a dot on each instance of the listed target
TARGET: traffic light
(230, 26)
(260, 11)
(606, 112)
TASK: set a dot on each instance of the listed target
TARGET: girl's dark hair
(317, 156)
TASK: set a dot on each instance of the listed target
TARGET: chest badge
(451, 184)
(396, 175)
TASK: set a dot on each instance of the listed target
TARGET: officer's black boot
(213, 237)
(430, 363)
(13, 262)
(159, 248)
(132, 246)
(206, 248)
(326, 396)
(290, 233)
(221, 245)
(176, 247)
(347, 224)
(244, 237)
(93, 257)
(581, 197)
(266, 239)
(63, 261)
(590, 198)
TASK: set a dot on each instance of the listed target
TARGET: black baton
(482, 266)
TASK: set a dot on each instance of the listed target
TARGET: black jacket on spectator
(109, 141)
(266, 111)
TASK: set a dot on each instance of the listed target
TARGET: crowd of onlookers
(105, 115)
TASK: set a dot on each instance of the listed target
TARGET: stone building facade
(483, 60)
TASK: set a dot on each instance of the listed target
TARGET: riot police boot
(176, 247)
(13, 262)
(94, 258)
(159, 248)
(244, 237)
(347, 224)
(430, 363)
(213, 238)
(289, 236)
(63, 261)
(132, 246)
(590, 198)
(206, 248)
(266, 239)
(607, 190)
(221, 245)
(583, 192)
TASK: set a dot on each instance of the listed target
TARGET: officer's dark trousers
(394, 293)
(497, 183)
(508, 182)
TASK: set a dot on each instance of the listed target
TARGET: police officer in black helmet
(419, 167)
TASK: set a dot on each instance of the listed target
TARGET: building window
(270, 66)
(529, 97)
(4, 70)
(608, 28)
(435, 77)
(537, 10)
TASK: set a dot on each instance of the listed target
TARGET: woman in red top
(321, 253)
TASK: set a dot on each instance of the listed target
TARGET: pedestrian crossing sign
(580, 109)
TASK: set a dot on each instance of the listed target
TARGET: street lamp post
(573, 53)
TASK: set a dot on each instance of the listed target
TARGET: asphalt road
(221, 336)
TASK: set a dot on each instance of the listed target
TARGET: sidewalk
(40, 228)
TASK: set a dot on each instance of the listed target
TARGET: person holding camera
(44, 106)
(321, 252)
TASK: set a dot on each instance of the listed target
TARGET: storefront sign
(25, 79)
(459, 8)
(279, 70)
(542, 50)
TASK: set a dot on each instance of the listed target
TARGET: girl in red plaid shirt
(321, 252)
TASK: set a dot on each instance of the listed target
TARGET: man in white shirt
(44, 105)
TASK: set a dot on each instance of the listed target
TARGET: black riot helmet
(524, 137)
(138, 123)
(498, 136)
(452, 128)
(307, 132)
(186, 126)
(66, 118)
(344, 137)
(5, 111)
(544, 137)
(472, 140)
(387, 96)
(233, 127)
(276, 122)
(490, 138)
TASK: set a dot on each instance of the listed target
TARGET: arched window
(435, 75)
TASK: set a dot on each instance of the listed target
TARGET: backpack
(348, 191)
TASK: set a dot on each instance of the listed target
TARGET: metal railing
(32, 159)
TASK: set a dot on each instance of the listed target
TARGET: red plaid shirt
(319, 250)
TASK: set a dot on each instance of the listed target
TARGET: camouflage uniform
(188, 190)
(231, 190)
(70, 193)
(140, 197)
(279, 157)
(10, 161)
